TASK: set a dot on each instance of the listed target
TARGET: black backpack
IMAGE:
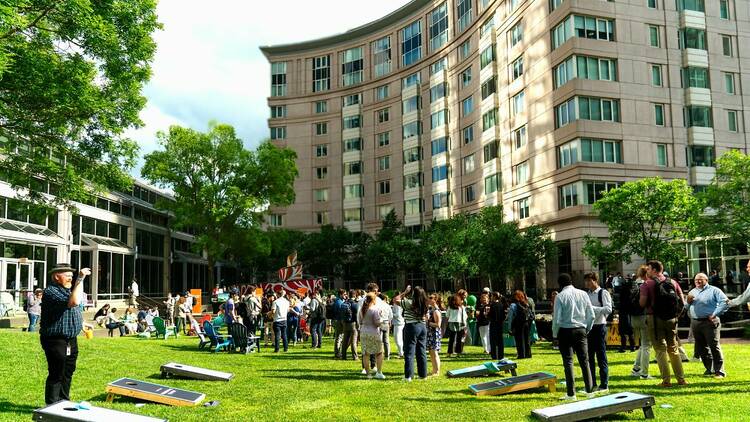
(631, 298)
(320, 312)
(667, 303)
(346, 311)
(524, 315)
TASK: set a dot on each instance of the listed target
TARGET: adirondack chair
(196, 328)
(162, 329)
(242, 339)
(218, 342)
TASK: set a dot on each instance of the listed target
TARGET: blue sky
(208, 65)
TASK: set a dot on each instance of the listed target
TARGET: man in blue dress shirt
(61, 322)
(705, 304)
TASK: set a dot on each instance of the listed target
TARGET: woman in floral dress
(433, 331)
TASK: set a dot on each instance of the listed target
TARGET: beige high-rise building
(444, 107)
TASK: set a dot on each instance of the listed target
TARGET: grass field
(305, 385)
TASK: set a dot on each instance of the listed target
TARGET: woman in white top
(457, 323)
(397, 322)
(371, 338)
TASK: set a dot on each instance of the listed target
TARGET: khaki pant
(663, 335)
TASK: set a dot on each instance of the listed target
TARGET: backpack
(320, 311)
(631, 298)
(524, 315)
(329, 311)
(345, 311)
(667, 303)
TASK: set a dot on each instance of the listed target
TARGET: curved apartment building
(447, 106)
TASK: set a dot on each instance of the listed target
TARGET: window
(661, 155)
(583, 27)
(518, 104)
(278, 79)
(439, 66)
(487, 56)
(466, 77)
(439, 173)
(487, 26)
(586, 67)
(516, 69)
(519, 136)
(589, 150)
(490, 151)
(278, 132)
(321, 172)
(384, 163)
(411, 129)
(489, 119)
(659, 114)
(381, 56)
(439, 26)
(467, 106)
(354, 191)
(321, 128)
(726, 45)
(384, 210)
(464, 14)
(464, 50)
(522, 173)
(353, 214)
(596, 190)
(516, 34)
(381, 93)
(411, 43)
(724, 9)
(321, 106)
(652, 4)
(491, 184)
(411, 104)
(692, 38)
(699, 116)
(467, 134)
(729, 83)
(522, 205)
(351, 100)
(352, 66)
(438, 91)
(554, 4)
(321, 150)
(654, 39)
(439, 145)
(353, 144)
(440, 200)
(656, 75)
(275, 220)
(469, 164)
(469, 194)
(564, 72)
(352, 122)
(732, 120)
(413, 180)
(412, 154)
(383, 115)
(410, 80)
(383, 139)
(322, 217)
(278, 112)
(384, 187)
(589, 108)
(321, 195)
(412, 206)
(512, 4)
(695, 77)
(694, 5)
(700, 156)
(489, 87)
(321, 73)
(353, 168)
(568, 195)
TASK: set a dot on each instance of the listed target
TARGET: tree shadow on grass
(307, 370)
(8, 407)
(349, 376)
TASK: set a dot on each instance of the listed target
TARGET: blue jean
(293, 329)
(597, 345)
(415, 338)
(279, 330)
(33, 319)
(316, 332)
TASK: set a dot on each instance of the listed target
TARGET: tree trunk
(211, 268)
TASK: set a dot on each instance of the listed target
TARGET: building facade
(120, 236)
(444, 107)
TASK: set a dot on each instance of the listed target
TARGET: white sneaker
(407, 379)
(646, 377)
(364, 371)
(602, 391)
(635, 373)
(569, 398)
(379, 376)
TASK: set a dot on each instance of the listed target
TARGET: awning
(178, 256)
(107, 245)
(16, 230)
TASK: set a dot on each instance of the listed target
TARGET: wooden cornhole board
(512, 384)
(597, 407)
(67, 411)
(489, 368)
(128, 387)
(194, 372)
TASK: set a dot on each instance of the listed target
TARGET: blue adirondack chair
(218, 341)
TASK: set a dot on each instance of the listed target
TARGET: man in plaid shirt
(60, 324)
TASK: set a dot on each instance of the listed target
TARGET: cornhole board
(67, 411)
(194, 372)
(486, 369)
(512, 384)
(128, 387)
(600, 406)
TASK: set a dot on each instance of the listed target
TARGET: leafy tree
(219, 186)
(71, 74)
(644, 217)
(392, 252)
(729, 198)
(327, 252)
(447, 246)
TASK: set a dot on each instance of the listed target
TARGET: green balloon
(471, 300)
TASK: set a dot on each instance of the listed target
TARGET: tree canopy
(71, 74)
(728, 198)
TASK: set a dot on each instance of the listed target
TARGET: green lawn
(307, 385)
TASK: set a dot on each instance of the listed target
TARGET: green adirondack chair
(161, 328)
